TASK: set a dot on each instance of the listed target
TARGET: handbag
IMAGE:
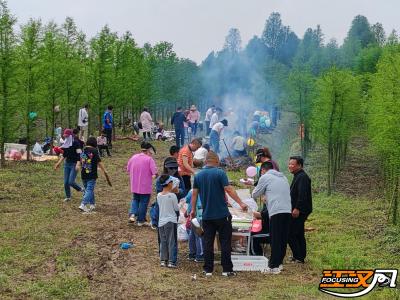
(256, 226)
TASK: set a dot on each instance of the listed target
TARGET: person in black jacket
(300, 193)
(177, 120)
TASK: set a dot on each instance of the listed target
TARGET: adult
(71, 155)
(200, 156)
(83, 122)
(263, 155)
(207, 118)
(211, 184)
(108, 124)
(147, 123)
(142, 169)
(238, 145)
(215, 118)
(178, 120)
(300, 192)
(275, 187)
(193, 119)
(216, 134)
(185, 162)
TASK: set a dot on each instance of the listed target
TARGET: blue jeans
(69, 179)
(139, 206)
(195, 245)
(194, 128)
(180, 137)
(88, 197)
(214, 141)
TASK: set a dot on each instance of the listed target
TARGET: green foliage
(335, 114)
(384, 128)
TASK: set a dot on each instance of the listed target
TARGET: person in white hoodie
(275, 186)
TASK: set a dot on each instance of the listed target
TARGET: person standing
(147, 123)
(108, 125)
(185, 162)
(300, 192)
(142, 169)
(71, 155)
(168, 221)
(178, 120)
(193, 119)
(83, 122)
(211, 184)
(216, 134)
(275, 186)
(207, 119)
(89, 161)
(216, 117)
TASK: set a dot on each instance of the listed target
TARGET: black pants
(279, 230)
(187, 182)
(109, 136)
(297, 240)
(208, 129)
(224, 228)
(102, 148)
(180, 137)
(257, 243)
(148, 135)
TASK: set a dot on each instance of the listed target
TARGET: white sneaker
(280, 267)
(132, 219)
(140, 224)
(84, 208)
(273, 271)
(67, 199)
(92, 207)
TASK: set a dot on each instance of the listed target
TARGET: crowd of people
(192, 172)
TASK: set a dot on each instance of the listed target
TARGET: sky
(197, 27)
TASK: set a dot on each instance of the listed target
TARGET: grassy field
(49, 250)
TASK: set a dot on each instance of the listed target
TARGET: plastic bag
(37, 150)
(182, 233)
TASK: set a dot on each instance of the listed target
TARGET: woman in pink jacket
(147, 123)
(193, 119)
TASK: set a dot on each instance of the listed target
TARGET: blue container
(126, 246)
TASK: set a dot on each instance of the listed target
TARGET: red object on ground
(58, 150)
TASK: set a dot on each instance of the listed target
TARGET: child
(174, 151)
(90, 159)
(102, 144)
(167, 223)
(196, 244)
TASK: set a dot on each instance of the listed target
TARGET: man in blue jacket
(178, 120)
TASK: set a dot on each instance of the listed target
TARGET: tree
(334, 116)
(7, 73)
(383, 125)
(29, 66)
(233, 41)
(379, 34)
(52, 73)
(101, 60)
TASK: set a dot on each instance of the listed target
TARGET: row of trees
(50, 71)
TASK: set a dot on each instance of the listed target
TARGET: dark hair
(213, 105)
(219, 109)
(86, 105)
(163, 179)
(174, 149)
(264, 152)
(225, 122)
(179, 108)
(298, 159)
(110, 107)
(198, 140)
(103, 132)
(145, 109)
(171, 163)
(147, 146)
(91, 141)
(268, 165)
(76, 131)
(206, 146)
